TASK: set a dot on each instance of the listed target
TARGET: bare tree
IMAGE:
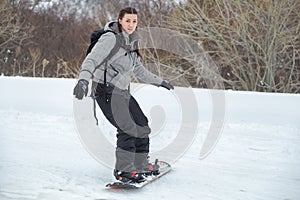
(255, 44)
(12, 36)
(35, 57)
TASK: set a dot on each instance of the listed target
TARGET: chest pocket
(112, 71)
(124, 63)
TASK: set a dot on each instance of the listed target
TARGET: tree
(255, 44)
(13, 34)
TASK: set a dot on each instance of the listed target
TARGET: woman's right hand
(81, 89)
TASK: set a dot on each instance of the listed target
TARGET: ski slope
(42, 156)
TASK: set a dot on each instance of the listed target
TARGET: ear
(120, 21)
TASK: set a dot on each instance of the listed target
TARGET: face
(129, 23)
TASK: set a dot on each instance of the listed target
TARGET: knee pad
(143, 131)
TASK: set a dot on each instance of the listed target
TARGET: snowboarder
(111, 79)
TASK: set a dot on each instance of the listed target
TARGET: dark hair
(127, 10)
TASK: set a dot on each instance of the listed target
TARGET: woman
(111, 82)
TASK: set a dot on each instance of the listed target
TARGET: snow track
(41, 156)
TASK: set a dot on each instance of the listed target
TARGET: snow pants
(122, 111)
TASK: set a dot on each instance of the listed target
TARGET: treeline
(244, 45)
(43, 39)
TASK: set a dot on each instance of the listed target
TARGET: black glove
(81, 89)
(166, 84)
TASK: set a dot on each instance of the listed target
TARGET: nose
(131, 24)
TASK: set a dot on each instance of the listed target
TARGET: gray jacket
(121, 66)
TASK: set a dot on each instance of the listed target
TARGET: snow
(256, 154)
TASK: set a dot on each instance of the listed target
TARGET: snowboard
(164, 168)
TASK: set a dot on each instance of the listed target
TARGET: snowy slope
(257, 155)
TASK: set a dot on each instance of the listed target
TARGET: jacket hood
(113, 26)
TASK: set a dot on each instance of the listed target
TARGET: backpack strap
(114, 50)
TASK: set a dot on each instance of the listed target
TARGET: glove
(166, 84)
(81, 89)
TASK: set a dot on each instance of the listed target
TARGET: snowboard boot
(133, 177)
(150, 169)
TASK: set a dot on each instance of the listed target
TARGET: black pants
(123, 112)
